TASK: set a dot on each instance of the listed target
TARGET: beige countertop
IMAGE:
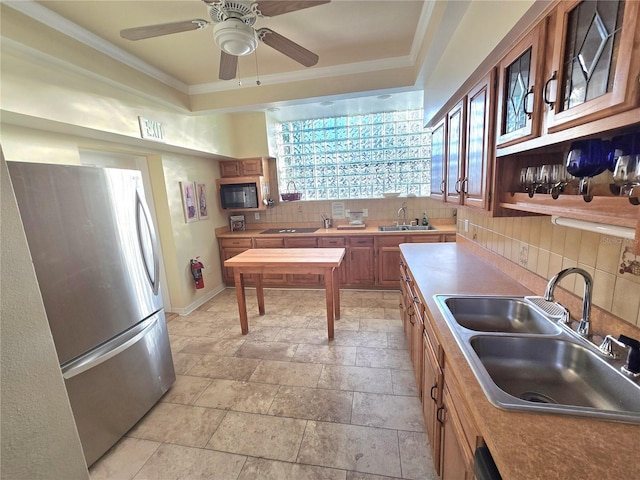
(324, 232)
(525, 446)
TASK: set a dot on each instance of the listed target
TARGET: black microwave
(243, 193)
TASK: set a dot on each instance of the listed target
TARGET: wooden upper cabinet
(456, 133)
(479, 151)
(438, 160)
(246, 167)
(594, 71)
(520, 89)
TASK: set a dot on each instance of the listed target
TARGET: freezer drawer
(112, 387)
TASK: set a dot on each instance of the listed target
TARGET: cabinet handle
(440, 409)
(545, 91)
(524, 103)
(465, 184)
(435, 387)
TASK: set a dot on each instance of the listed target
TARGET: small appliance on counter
(237, 223)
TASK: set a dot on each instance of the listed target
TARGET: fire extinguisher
(196, 271)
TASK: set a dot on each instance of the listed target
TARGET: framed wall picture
(201, 195)
(189, 201)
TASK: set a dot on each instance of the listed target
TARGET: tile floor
(283, 402)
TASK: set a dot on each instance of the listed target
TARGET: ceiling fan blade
(288, 47)
(271, 8)
(228, 66)
(150, 31)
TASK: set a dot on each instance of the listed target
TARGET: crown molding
(66, 27)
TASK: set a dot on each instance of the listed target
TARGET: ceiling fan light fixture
(235, 37)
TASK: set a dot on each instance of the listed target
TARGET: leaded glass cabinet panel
(519, 90)
(596, 75)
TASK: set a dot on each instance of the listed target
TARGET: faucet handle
(606, 347)
(632, 368)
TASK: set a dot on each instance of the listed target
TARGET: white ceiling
(348, 35)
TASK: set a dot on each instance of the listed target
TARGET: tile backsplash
(380, 210)
(544, 248)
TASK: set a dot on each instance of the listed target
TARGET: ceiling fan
(233, 30)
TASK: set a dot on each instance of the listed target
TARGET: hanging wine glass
(530, 180)
(626, 173)
(586, 159)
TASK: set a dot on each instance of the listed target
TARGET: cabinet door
(455, 152)
(360, 265)
(336, 242)
(229, 168)
(432, 383)
(227, 273)
(519, 90)
(594, 61)
(271, 278)
(302, 278)
(456, 462)
(360, 261)
(478, 152)
(438, 160)
(251, 166)
(388, 251)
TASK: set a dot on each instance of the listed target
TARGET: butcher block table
(319, 261)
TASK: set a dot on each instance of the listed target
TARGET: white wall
(39, 438)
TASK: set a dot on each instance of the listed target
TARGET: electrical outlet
(524, 255)
(256, 215)
(466, 225)
(365, 212)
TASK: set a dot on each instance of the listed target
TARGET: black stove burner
(289, 230)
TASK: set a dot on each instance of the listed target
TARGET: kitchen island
(525, 446)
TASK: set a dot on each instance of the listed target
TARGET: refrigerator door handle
(143, 220)
(109, 349)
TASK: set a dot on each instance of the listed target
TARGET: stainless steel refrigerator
(95, 254)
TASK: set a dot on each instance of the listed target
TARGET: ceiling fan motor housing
(233, 31)
(235, 37)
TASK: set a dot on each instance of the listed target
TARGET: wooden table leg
(336, 292)
(242, 303)
(260, 294)
(328, 285)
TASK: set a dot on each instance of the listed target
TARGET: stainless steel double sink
(524, 360)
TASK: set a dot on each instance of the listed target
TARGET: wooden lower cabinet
(459, 436)
(452, 434)
(272, 279)
(336, 242)
(454, 461)
(432, 385)
(302, 279)
(371, 261)
(360, 261)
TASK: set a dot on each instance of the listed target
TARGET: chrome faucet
(403, 210)
(584, 325)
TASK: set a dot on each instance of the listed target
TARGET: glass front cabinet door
(519, 90)
(595, 70)
(456, 134)
(438, 156)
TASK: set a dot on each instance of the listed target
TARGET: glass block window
(593, 35)
(350, 157)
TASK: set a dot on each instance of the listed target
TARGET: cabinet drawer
(235, 242)
(304, 242)
(268, 242)
(334, 242)
(390, 240)
(360, 241)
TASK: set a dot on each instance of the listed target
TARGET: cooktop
(290, 230)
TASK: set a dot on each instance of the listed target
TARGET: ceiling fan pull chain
(239, 77)
(258, 82)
